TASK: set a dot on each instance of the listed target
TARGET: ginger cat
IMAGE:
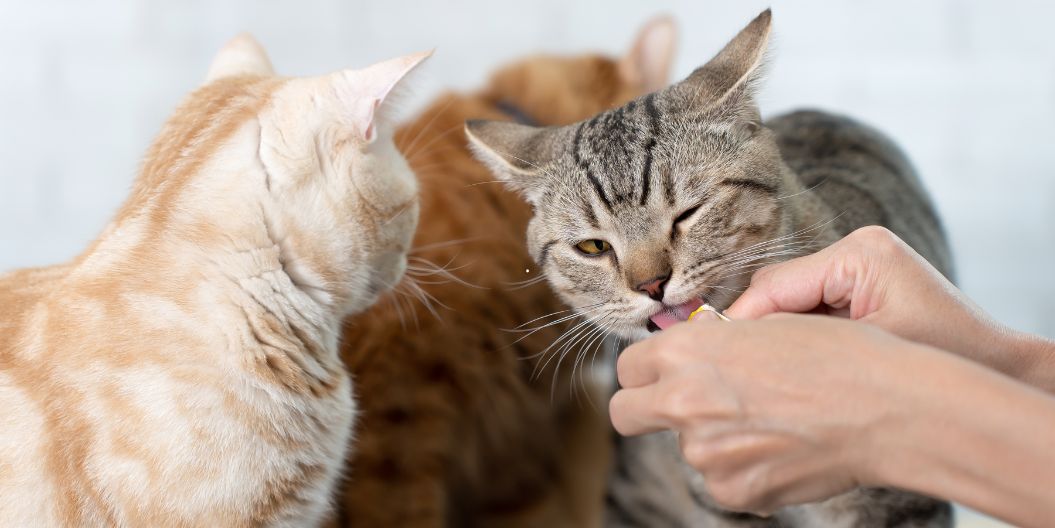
(455, 429)
(183, 370)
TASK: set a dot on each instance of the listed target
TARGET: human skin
(873, 276)
(796, 408)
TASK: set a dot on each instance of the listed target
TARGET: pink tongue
(675, 314)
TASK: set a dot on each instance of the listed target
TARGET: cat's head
(304, 165)
(560, 89)
(644, 211)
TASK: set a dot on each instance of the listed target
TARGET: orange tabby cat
(455, 431)
(183, 371)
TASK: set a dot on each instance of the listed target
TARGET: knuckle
(615, 411)
(622, 366)
(679, 403)
(699, 455)
(729, 493)
(877, 238)
(670, 354)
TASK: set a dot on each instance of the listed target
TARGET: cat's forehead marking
(615, 152)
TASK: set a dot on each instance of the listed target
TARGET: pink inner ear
(373, 85)
(371, 128)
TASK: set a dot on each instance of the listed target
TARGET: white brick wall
(967, 87)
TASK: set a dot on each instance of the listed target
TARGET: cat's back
(863, 176)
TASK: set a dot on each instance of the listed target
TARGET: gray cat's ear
(729, 76)
(514, 152)
(242, 55)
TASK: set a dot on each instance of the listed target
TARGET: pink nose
(654, 288)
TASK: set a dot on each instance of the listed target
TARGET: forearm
(977, 438)
(1031, 359)
(1022, 356)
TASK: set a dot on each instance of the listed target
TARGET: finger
(635, 411)
(705, 315)
(793, 286)
(636, 365)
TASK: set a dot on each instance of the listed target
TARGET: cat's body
(646, 211)
(456, 429)
(857, 177)
(183, 370)
(863, 178)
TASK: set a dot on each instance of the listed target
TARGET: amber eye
(593, 247)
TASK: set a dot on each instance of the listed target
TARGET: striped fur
(690, 188)
(457, 429)
(183, 370)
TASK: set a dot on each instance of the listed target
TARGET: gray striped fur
(698, 151)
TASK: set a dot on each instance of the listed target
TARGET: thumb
(793, 286)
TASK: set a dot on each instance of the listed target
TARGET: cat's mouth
(671, 315)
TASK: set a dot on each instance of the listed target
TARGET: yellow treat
(708, 308)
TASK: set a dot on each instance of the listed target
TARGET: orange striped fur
(455, 430)
(183, 370)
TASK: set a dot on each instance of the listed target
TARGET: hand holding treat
(873, 276)
(792, 408)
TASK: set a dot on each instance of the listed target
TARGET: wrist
(972, 436)
(1028, 358)
(1016, 354)
(890, 447)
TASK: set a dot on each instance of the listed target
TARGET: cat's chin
(632, 335)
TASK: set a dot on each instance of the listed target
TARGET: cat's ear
(728, 79)
(369, 91)
(514, 152)
(648, 62)
(242, 55)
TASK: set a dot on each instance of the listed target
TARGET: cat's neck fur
(803, 211)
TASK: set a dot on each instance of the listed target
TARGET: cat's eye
(685, 215)
(593, 247)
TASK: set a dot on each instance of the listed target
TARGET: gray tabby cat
(645, 211)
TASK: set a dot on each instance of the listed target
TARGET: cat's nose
(654, 287)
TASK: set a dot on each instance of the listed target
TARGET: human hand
(873, 276)
(774, 412)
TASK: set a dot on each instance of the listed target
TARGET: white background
(966, 87)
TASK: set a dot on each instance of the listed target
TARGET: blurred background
(967, 87)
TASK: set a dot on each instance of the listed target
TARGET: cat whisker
(421, 267)
(435, 150)
(483, 182)
(799, 235)
(575, 330)
(587, 307)
(395, 299)
(567, 349)
(530, 332)
(526, 283)
(397, 215)
(426, 299)
(583, 335)
(447, 243)
(576, 313)
(545, 171)
(804, 191)
(589, 348)
(424, 148)
(409, 150)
